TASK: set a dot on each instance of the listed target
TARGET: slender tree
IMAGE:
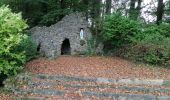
(138, 9)
(134, 12)
(95, 10)
(132, 8)
(108, 6)
(62, 4)
(160, 12)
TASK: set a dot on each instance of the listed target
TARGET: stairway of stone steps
(60, 87)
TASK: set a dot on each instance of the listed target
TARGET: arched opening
(65, 47)
(38, 47)
(3, 77)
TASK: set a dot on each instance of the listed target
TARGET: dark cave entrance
(38, 47)
(2, 78)
(65, 47)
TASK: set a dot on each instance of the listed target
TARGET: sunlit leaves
(11, 27)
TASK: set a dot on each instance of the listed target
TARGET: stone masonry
(49, 40)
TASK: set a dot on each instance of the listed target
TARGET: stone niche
(64, 37)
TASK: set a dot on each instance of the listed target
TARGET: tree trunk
(62, 4)
(132, 9)
(134, 13)
(137, 10)
(160, 11)
(95, 13)
(108, 6)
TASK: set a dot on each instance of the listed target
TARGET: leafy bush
(147, 43)
(91, 43)
(11, 27)
(28, 47)
(151, 46)
(118, 29)
(165, 29)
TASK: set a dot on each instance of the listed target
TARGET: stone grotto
(67, 37)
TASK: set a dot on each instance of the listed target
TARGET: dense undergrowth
(148, 43)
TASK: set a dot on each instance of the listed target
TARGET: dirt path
(107, 67)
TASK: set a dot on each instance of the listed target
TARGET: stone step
(44, 85)
(48, 88)
(112, 96)
(39, 92)
(29, 98)
(65, 78)
(158, 82)
(115, 96)
(36, 97)
(51, 85)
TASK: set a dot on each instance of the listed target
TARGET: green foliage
(44, 12)
(91, 43)
(11, 27)
(151, 46)
(55, 11)
(28, 46)
(148, 43)
(164, 29)
(53, 16)
(118, 29)
(150, 52)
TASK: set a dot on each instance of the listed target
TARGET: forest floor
(107, 67)
(79, 77)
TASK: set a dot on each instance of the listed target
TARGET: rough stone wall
(51, 38)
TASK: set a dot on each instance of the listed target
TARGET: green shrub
(151, 47)
(149, 53)
(28, 47)
(148, 43)
(165, 29)
(118, 29)
(11, 28)
(91, 43)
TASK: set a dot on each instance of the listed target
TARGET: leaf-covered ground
(107, 67)
(5, 97)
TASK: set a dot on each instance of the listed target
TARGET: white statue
(81, 34)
